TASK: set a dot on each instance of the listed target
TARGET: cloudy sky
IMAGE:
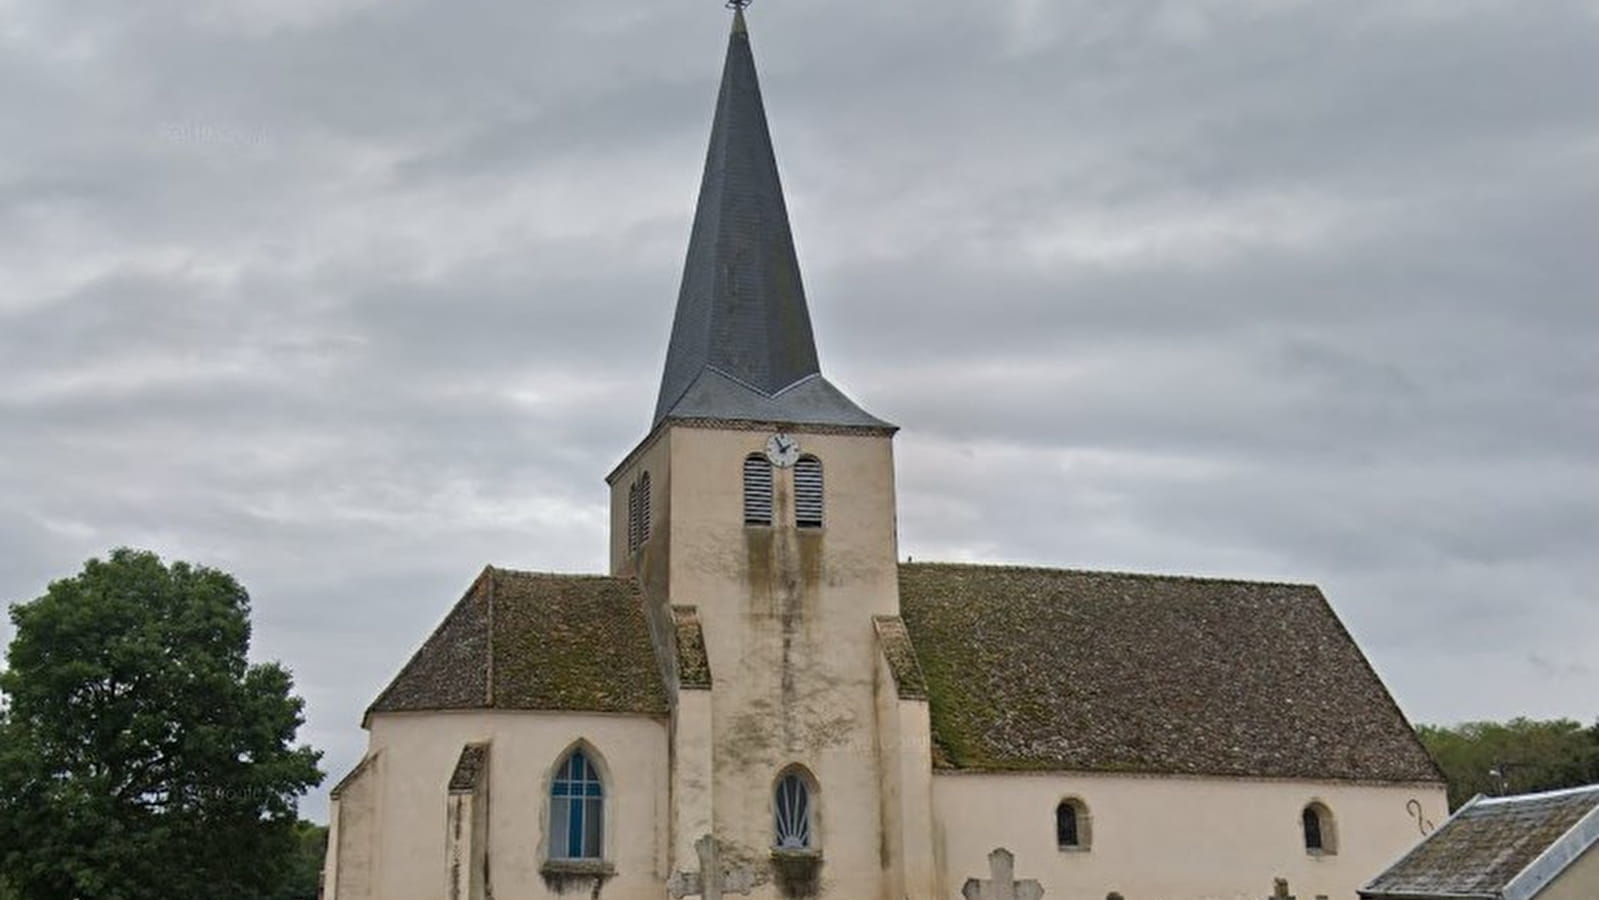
(351, 298)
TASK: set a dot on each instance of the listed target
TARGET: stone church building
(760, 699)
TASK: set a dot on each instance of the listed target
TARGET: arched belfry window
(1321, 837)
(638, 513)
(791, 812)
(808, 492)
(1072, 825)
(632, 517)
(643, 508)
(577, 809)
(757, 490)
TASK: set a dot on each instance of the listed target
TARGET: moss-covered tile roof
(529, 641)
(1046, 669)
(470, 769)
(1489, 844)
(901, 656)
(693, 663)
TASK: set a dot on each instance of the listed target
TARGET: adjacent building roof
(742, 346)
(1504, 848)
(527, 641)
(1048, 669)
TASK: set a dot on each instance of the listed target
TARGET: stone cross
(712, 881)
(1003, 885)
(1281, 891)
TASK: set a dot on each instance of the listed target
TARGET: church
(761, 699)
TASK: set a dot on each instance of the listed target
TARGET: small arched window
(1071, 825)
(808, 492)
(577, 810)
(791, 811)
(757, 490)
(1320, 834)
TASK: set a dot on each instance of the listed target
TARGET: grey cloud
(352, 298)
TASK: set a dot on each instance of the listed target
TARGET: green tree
(1515, 757)
(305, 878)
(142, 757)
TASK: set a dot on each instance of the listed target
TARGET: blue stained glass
(576, 810)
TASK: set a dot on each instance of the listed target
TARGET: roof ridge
(529, 573)
(1116, 573)
(1540, 795)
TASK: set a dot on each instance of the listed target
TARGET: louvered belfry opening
(638, 513)
(632, 517)
(757, 490)
(808, 492)
(643, 508)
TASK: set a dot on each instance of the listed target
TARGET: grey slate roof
(1049, 669)
(527, 641)
(742, 346)
(1505, 847)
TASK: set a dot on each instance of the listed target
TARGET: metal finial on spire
(738, 4)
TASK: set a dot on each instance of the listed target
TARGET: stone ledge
(569, 867)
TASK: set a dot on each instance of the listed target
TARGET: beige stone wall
(1578, 882)
(905, 760)
(353, 818)
(787, 616)
(410, 856)
(1175, 838)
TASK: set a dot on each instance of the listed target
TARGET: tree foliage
(305, 875)
(1516, 757)
(141, 754)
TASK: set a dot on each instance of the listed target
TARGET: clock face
(783, 450)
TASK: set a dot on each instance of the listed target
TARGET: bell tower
(758, 516)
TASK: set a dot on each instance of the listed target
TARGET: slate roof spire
(742, 346)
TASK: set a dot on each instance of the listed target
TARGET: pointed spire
(741, 340)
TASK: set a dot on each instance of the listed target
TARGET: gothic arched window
(1071, 825)
(577, 809)
(791, 812)
(1320, 835)
(757, 490)
(808, 492)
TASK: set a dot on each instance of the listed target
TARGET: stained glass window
(793, 813)
(577, 810)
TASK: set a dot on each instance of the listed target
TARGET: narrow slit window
(757, 490)
(1315, 833)
(792, 810)
(577, 810)
(808, 492)
(1066, 826)
(1072, 825)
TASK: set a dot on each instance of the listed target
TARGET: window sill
(1318, 854)
(1074, 848)
(797, 855)
(597, 867)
